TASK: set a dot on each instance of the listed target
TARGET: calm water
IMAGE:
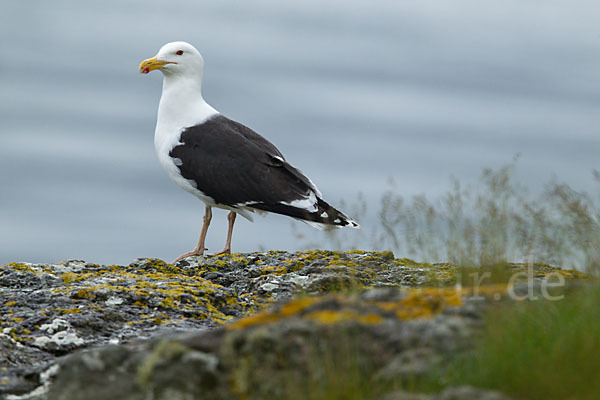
(351, 92)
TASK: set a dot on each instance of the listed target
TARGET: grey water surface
(352, 92)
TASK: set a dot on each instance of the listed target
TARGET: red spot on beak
(146, 70)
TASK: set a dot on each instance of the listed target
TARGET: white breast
(179, 109)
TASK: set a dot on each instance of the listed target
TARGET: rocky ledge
(252, 326)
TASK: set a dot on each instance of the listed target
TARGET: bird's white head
(175, 59)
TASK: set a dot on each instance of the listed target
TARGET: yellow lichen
(68, 277)
(73, 310)
(266, 317)
(337, 261)
(416, 303)
(260, 318)
(83, 294)
(295, 306)
(336, 316)
(168, 302)
(220, 263)
(272, 270)
(21, 267)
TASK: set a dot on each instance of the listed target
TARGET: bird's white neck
(181, 106)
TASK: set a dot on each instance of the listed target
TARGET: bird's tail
(321, 216)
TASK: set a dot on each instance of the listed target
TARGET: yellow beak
(151, 64)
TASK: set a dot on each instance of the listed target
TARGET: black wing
(235, 165)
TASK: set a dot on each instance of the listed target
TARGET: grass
(540, 350)
(529, 350)
(491, 223)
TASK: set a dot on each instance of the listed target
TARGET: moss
(10, 303)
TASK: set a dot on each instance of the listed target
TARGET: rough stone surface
(451, 393)
(227, 326)
(468, 392)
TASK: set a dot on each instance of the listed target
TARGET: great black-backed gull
(222, 162)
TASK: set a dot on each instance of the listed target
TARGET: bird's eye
(179, 52)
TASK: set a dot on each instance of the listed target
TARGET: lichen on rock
(241, 325)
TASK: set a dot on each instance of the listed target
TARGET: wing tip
(352, 224)
(343, 223)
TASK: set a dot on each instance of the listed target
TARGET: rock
(451, 393)
(157, 369)
(410, 364)
(402, 395)
(257, 356)
(63, 338)
(231, 325)
(470, 393)
(20, 366)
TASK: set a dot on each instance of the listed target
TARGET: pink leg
(200, 249)
(227, 248)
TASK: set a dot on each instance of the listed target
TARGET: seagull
(222, 162)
